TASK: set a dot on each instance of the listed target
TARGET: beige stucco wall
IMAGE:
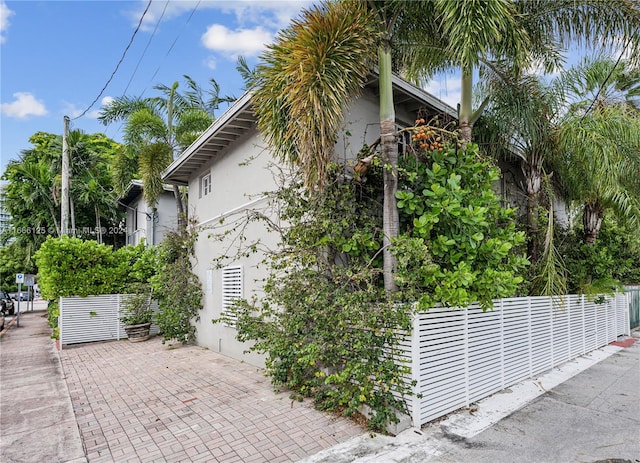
(239, 176)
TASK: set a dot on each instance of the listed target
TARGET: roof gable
(239, 119)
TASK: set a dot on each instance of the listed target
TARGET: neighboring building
(227, 170)
(145, 222)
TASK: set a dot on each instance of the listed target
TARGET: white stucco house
(227, 170)
(145, 222)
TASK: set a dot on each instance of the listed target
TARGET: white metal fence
(459, 356)
(93, 318)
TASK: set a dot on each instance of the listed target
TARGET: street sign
(29, 280)
(19, 278)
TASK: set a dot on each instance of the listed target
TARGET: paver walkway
(147, 402)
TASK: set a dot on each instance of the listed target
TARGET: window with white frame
(232, 290)
(205, 185)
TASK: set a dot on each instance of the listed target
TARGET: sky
(56, 56)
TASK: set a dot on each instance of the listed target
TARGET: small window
(205, 185)
(232, 290)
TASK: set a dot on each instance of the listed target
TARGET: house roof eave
(227, 128)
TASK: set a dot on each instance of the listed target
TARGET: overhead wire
(155, 29)
(175, 40)
(117, 65)
(195, 8)
(606, 80)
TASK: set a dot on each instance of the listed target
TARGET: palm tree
(518, 124)
(319, 64)
(157, 129)
(599, 140)
(582, 126)
(308, 76)
(600, 165)
(481, 33)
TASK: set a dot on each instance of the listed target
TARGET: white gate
(93, 318)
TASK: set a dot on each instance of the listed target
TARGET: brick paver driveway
(147, 402)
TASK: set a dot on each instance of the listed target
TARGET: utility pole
(64, 220)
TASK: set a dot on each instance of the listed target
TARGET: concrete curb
(415, 445)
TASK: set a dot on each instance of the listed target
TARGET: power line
(176, 40)
(117, 65)
(595, 98)
(155, 29)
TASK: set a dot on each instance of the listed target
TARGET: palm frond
(122, 107)
(154, 158)
(190, 125)
(307, 79)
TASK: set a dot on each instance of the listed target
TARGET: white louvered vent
(232, 289)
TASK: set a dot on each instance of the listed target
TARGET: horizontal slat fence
(459, 356)
(94, 318)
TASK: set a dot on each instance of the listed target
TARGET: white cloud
(5, 14)
(211, 63)
(71, 110)
(247, 42)
(94, 114)
(445, 88)
(270, 14)
(24, 105)
(107, 100)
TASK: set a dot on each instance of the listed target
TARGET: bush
(73, 267)
(177, 288)
(612, 260)
(329, 329)
(460, 245)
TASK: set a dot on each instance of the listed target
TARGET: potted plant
(137, 316)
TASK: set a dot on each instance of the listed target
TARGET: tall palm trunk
(182, 219)
(592, 221)
(389, 148)
(533, 181)
(72, 210)
(465, 113)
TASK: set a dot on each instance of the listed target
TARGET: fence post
(530, 340)
(584, 329)
(118, 316)
(415, 371)
(568, 309)
(466, 356)
(606, 322)
(60, 322)
(551, 318)
(502, 385)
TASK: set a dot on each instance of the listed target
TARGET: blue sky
(56, 56)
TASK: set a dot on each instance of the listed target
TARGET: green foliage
(72, 267)
(329, 329)
(177, 288)
(53, 314)
(325, 325)
(605, 264)
(137, 309)
(460, 246)
(32, 193)
(14, 258)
